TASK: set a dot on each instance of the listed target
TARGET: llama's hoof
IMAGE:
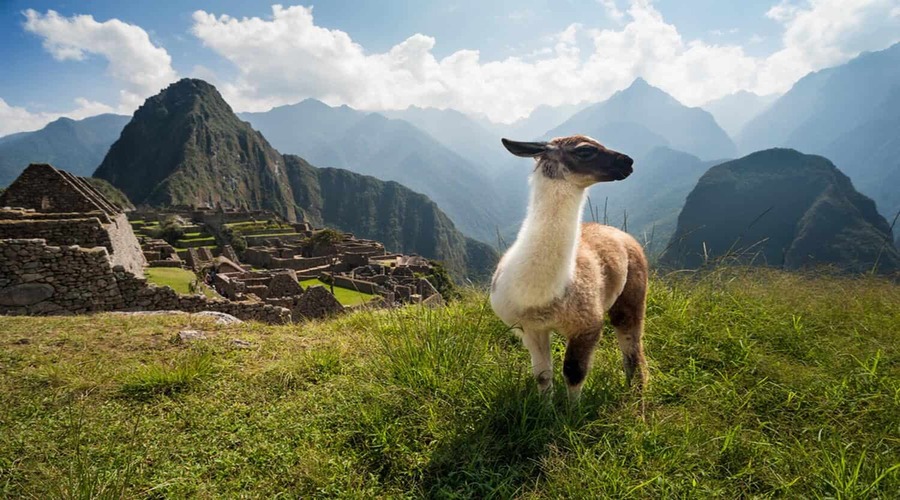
(574, 393)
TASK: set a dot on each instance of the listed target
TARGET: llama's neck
(545, 249)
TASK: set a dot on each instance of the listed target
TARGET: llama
(563, 275)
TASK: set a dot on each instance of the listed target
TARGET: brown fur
(610, 275)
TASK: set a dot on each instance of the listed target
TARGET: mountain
(824, 105)
(387, 212)
(372, 144)
(733, 111)
(302, 127)
(650, 200)
(458, 132)
(655, 118)
(782, 208)
(870, 155)
(541, 119)
(185, 146)
(74, 145)
(847, 113)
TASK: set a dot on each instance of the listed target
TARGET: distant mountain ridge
(185, 146)
(458, 132)
(734, 111)
(782, 208)
(666, 140)
(848, 113)
(824, 105)
(77, 146)
(654, 115)
(390, 149)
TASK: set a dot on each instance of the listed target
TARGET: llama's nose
(626, 160)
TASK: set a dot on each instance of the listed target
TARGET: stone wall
(116, 235)
(40, 279)
(126, 250)
(358, 285)
(299, 263)
(87, 232)
(23, 213)
(265, 240)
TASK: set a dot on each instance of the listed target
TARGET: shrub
(171, 230)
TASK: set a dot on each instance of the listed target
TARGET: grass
(250, 226)
(345, 296)
(202, 239)
(177, 279)
(764, 384)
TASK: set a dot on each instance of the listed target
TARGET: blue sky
(496, 58)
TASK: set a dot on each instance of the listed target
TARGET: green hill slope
(763, 384)
(782, 208)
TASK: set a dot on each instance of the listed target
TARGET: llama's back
(619, 251)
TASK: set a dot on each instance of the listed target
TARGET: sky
(494, 58)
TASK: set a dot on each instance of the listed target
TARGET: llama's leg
(627, 317)
(577, 364)
(538, 344)
(632, 346)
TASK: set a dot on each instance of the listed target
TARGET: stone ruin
(272, 264)
(66, 249)
(63, 209)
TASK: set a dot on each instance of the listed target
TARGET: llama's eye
(585, 153)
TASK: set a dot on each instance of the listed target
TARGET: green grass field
(177, 279)
(345, 296)
(764, 384)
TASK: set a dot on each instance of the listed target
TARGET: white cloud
(822, 33)
(612, 10)
(18, 119)
(287, 57)
(141, 67)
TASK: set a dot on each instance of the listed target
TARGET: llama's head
(577, 159)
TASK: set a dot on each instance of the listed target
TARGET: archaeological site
(65, 248)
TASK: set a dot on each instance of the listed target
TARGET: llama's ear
(525, 149)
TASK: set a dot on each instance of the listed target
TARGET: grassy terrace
(176, 278)
(345, 296)
(764, 384)
(251, 226)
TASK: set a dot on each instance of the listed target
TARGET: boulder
(190, 335)
(221, 318)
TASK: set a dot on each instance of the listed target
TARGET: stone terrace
(275, 250)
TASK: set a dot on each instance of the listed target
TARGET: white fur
(539, 266)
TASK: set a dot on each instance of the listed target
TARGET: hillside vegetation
(763, 384)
